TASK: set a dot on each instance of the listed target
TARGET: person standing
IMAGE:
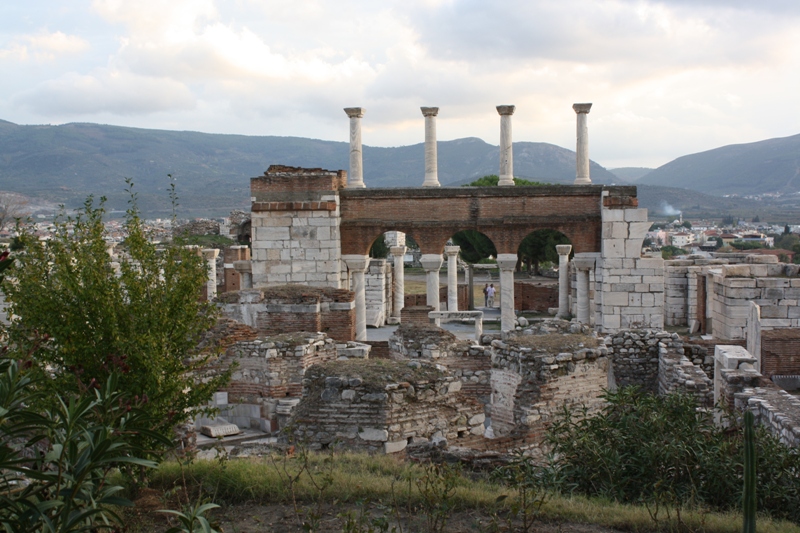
(490, 292)
(486, 295)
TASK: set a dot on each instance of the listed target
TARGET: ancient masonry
(298, 306)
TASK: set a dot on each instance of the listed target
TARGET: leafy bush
(664, 453)
(79, 318)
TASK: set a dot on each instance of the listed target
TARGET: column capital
(356, 112)
(507, 261)
(210, 253)
(431, 262)
(430, 111)
(507, 109)
(356, 262)
(582, 108)
(452, 250)
(563, 249)
(398, 250)
(585, 260)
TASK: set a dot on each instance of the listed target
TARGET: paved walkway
(461, 331)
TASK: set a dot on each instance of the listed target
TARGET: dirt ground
(282, 518)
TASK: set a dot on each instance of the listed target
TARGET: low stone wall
(677, 374)
(425, 341)
(285, 308)
(382, 406)
(634, 357)
(775, 409)
(535, 297)
(535, 376)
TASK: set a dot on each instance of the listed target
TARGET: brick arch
(505, 215)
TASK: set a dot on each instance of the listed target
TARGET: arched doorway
(538, 290)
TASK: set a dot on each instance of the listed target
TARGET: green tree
(668, 252)
(540, 246)
(747, 245)
(493, 179)
(78, 319)
(787, 241)
(379, 248)
(475, 246)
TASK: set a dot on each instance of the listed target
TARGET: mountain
(630, 174)
(64, 164)
(745, 169)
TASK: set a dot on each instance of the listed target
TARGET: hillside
(630, 174)
(745, 169)
(64, 164)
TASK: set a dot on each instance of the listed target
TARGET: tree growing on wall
(78, 318)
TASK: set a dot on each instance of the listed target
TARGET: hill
(768, 166)
(64, 164)
(630, 174)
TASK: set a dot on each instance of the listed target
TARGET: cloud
(43, 46)
(106, 91)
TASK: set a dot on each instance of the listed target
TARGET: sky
(665, 79)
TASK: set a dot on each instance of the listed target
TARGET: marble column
(355, 179)
(452, 276)
(432, 263)
(582, 148)
(210, 256)
(563, 279)
(358, 264)
(431, 163)
(507, 264)
(398, 252)
(584, 262)
(506, 148)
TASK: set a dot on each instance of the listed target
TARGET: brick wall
(538, 297)
(780, 352)
(413, 300)
(503, 216)
(415, 314)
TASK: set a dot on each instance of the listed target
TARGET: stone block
(374, 434)
(613, 215)
(615, 298)
(633, 248)
(613, 248)
(635, 215)
(220, 430)
(395, 446)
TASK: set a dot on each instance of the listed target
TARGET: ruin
(309, 270)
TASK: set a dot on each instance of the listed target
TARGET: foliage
(540, 246)
(728, 220)
(531, 483)
(379, 248)
(63, 485)
(747, 245)
(493, 179)
(685, 224)
(475, 246)
(207, 241)
(193, 521)
(787, 241)
(437, 487)
(662, 452)
(143, 320)
(749, 490)
(669, 251)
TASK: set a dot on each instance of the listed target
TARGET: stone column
(398, 252)
(583, 264)
(356, 176)
(432, 263)
(563, 279)
(210, 255)
(507, 264)
(506, 148)
(358, 264)
(452, 276)
(431, 164)
(582, 148)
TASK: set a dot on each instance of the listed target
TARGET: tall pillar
(507, 264)
(432, 263)
(584, 262)
(431, 164)
(398, 252)
(357, 264)
(582, 148)
(563, 279)
(355, 179)
(506, 148)
(452, 276)
(210, 255)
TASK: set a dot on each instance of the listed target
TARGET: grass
(385, 478)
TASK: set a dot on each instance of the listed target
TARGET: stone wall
(295, 225)
(535, 376)
(775, 287)
(415, 314)
(536, 297)
(279, 309)
(631, 287)
(634, 357)
(382, 406)
(676, 373)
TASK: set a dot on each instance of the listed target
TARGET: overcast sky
(666, 78)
